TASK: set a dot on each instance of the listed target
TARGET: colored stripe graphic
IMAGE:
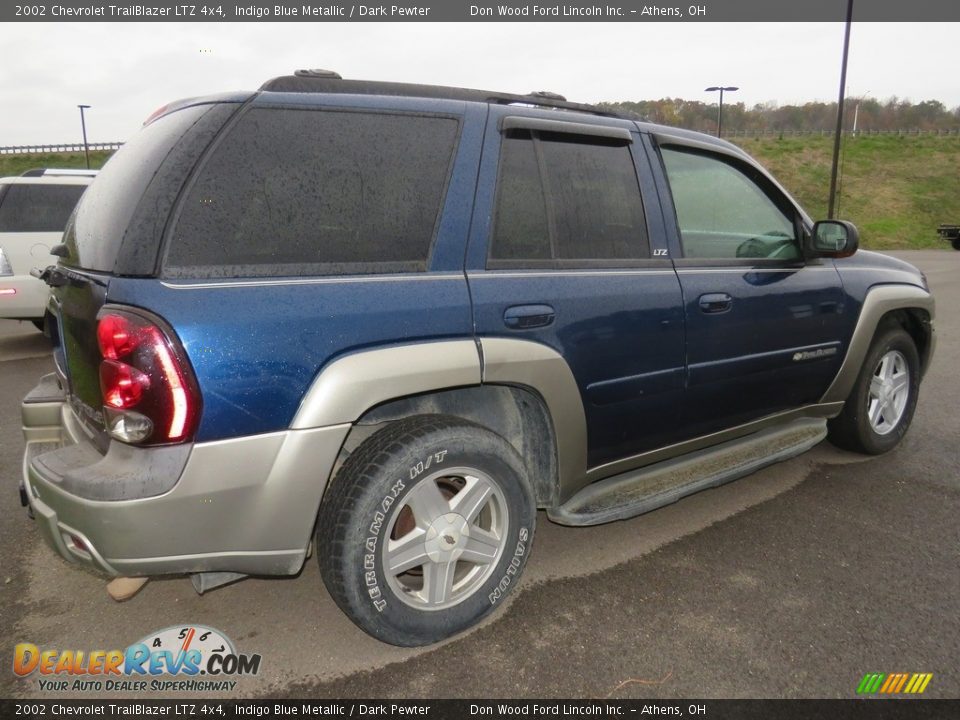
(894, 683)
(870, 683)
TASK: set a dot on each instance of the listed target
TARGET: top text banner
(480, 11)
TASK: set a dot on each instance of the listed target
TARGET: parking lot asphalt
(792, 582)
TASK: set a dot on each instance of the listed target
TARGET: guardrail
(60, 148)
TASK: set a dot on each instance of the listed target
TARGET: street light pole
(714, 88)
(83, 125)
(836, 136)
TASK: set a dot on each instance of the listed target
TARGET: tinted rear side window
(303, 192)
(38, 208)
(565, 200)
(521, 230)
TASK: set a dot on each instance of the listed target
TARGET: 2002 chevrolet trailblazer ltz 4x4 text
(389, 322)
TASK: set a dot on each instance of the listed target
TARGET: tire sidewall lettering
(369, 557)
(372, 578)
(423, 465)
(516, 564)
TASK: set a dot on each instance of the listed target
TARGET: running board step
(639, 491)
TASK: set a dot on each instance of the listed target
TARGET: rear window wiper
(52, 276)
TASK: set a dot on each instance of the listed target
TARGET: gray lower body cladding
(245, 505)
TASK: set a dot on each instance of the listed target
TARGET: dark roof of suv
(326, 81)
(329, 82)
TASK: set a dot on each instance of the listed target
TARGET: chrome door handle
(522, 317)
(715, 303)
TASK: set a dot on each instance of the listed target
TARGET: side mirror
(834, 238)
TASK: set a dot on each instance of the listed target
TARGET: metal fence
(829, 133)
(61, 148)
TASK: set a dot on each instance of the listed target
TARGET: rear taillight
(149, 393)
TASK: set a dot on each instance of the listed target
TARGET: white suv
(34, 208)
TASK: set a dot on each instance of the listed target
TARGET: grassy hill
(17, 164)
(897, 189)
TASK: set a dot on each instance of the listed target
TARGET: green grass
(17, 164)
(896, 189)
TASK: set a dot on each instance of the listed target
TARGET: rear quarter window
(310, 192)
(110, 207)
(38, 208)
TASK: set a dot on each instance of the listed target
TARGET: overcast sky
(127, 70)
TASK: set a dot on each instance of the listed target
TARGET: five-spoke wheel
(425, 529)
(889, 391)
(446, 538)
(884, 396)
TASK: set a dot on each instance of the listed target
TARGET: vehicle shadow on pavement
(20, 340)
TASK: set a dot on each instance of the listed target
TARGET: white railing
(59, 148)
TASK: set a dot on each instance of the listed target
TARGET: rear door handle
(714, 303)
(522, 317)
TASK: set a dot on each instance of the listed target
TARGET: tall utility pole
(83, 126)
(839, 130)
(714, 88)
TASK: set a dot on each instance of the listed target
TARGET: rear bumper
(28, 300)
(245, 505)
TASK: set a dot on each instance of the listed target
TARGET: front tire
(425, 529)
(880, 408)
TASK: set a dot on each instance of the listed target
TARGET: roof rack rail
(327, 81)
(58, 172)
(319, 73)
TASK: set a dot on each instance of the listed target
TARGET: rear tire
(425, 529)
(956, 243)
(881, 405)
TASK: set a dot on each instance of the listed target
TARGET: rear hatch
(117, 230)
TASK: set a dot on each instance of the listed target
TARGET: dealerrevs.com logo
(186, 658)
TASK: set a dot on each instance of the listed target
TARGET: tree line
(891, 114)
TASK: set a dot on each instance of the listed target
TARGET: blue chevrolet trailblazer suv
(385, 323)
